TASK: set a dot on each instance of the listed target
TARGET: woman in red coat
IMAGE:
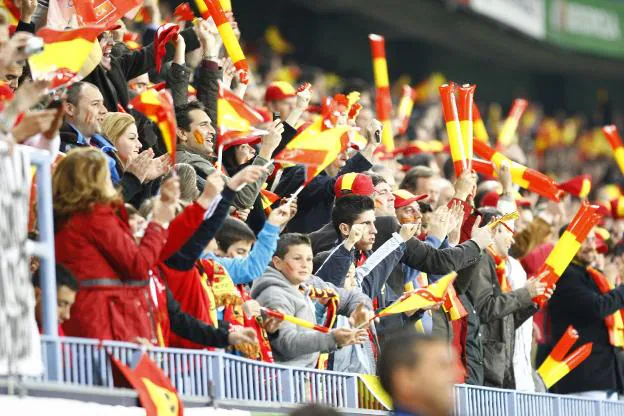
(93, 240)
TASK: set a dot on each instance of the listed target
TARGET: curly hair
(79, 182)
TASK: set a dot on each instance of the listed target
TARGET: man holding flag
(586, 300)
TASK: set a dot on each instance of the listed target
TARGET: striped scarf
(501, 271)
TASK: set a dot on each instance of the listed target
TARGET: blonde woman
(138, 170)
(94, 241)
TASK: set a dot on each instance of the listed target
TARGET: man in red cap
(281, 97)
(406, 206)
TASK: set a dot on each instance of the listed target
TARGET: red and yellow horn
(406, 105)
(612, 135)
(464, 111)
(522, 176)
(382, 84)
(231, 44)
(506, 134)
(453, 127)
(562, 369)
(579, 186)
(480, 132)
(568, 245)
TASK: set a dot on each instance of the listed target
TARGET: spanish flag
(315, 147)
(156, 393)
(234, 114)
(420, 298)
(268, 198)
(158, 107)
(65, 68)
(103, 12)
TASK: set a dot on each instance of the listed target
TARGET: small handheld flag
(158, 107)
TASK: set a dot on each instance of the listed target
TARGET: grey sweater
(295, 345)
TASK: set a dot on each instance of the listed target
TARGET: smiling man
(84, 114)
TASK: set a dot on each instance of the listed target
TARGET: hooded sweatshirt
(294, 345)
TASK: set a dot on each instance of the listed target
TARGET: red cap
(403, 198)
(354, 184)
(490, 199)
(236, 138)
(279, 90)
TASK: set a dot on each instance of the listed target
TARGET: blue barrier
(221, 376)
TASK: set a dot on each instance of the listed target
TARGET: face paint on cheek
(199, 138)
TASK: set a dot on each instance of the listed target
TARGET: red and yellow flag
(568, 245)
(453, 127)
(315, 147)
(508, 130)
(268, 198)
(183, 13)
(579, 186)
(421, 298)
(158, 107)
(615, 321)
(526, 178)
(156, 393)
(234, 114)
(103, 12)
(64, 67)
(612, 135)
(383, 101)
(557, 365)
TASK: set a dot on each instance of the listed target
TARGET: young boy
(289, 287)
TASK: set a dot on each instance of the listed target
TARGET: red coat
(99, 245)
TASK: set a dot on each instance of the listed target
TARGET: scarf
(615, 321)
(501, 271)
(330, 299)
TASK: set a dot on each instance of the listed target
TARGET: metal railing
(221, 376)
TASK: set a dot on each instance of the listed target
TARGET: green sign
(591, 26)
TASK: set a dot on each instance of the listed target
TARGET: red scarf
(501, 271)
(615, 321)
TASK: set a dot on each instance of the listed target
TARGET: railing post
(557, 406)
(47, 268)
(461, 397)
(352, 392)
(218, 371)
(288, 385)
(511, 402)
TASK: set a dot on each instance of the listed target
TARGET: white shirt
(523, 371)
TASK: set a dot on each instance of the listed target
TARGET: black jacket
(191, 328)
(418, 255)
(316, 200)
(500, 315)
(577, 301)
(113, 83)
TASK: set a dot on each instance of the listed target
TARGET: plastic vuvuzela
(522, 176)
(383, 100)
(480, 132)
(612, 135)
(406, 105)
(464, 111)
(506, 134)
(557, 365)
(568, 245)
(453, 127)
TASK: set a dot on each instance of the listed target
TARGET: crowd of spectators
(188, 255)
